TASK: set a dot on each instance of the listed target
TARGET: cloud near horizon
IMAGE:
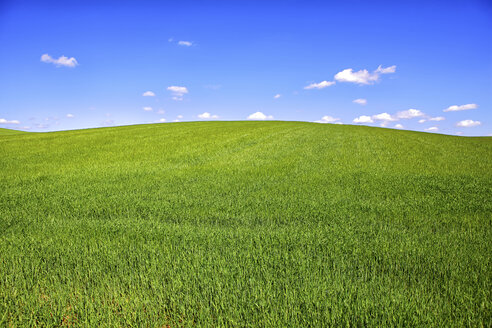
(468, 123)
(4, 121)
(328, 119)
(60, 61)
(260, 116)
(207, 115)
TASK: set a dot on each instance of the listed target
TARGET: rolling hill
(251, 224)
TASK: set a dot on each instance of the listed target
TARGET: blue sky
(417, 65)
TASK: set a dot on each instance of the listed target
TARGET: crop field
(245, 224)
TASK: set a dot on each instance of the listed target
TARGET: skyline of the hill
(408, 65)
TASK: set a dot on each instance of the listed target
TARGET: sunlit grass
(245, 224)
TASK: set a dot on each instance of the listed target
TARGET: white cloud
(439, 118)
(410, 113)
(468, 123)
(387, 70)
(176, 121)
(360, 101)
(422, 120)
(177, 92)
(320, 85)
(148, 94)
(147, 109)
(61, 61)
(4, 121)
(278, 95)
(162, 120)
(456, 108)
(260, 116)
(70, 115)
(207, 115)
(432, 129)
(363, 119)
(363, 76)
(383, 117)
(398, 126)
(180, 116)
(328, 119)
(185, 43)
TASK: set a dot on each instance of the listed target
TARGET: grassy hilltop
(255, 224)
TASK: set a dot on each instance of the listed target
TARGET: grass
(247, 224)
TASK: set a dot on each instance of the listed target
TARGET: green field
(245, 224)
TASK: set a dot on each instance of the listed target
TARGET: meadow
(245, 224)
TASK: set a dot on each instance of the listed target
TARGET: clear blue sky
(232, 59)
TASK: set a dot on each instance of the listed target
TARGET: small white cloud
(177, 92)
(432, 129)
(410, 113)
(363, 119)
(176, 121)
(438, 118)
(148, 94)
(363, 76)
(4, 121)
(468, 123)
(162, 120)
(321, 85)
(360, 101)
(328, 119)
(207, 115)
(185, 43)
(60, 61)
(456, 108)
(422, 120)
(70, 115)
(278, 95)
(387, 70)
(260, 116)
(180, 116)
(398, 126)
(384, 117)
(147, 109)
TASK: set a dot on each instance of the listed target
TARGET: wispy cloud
(207, 115)
(4, 121)
(177, 91)
(360, 101)
(363, 76)
(432, 129)
(321, 85)
(398, 126)
(148, 94)
(60, 61)
(456, 108)
(260, 116)
(468, 123)
(70, 116)
(278, 95)
(147, 109)
(438, 118)
(185, 43)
